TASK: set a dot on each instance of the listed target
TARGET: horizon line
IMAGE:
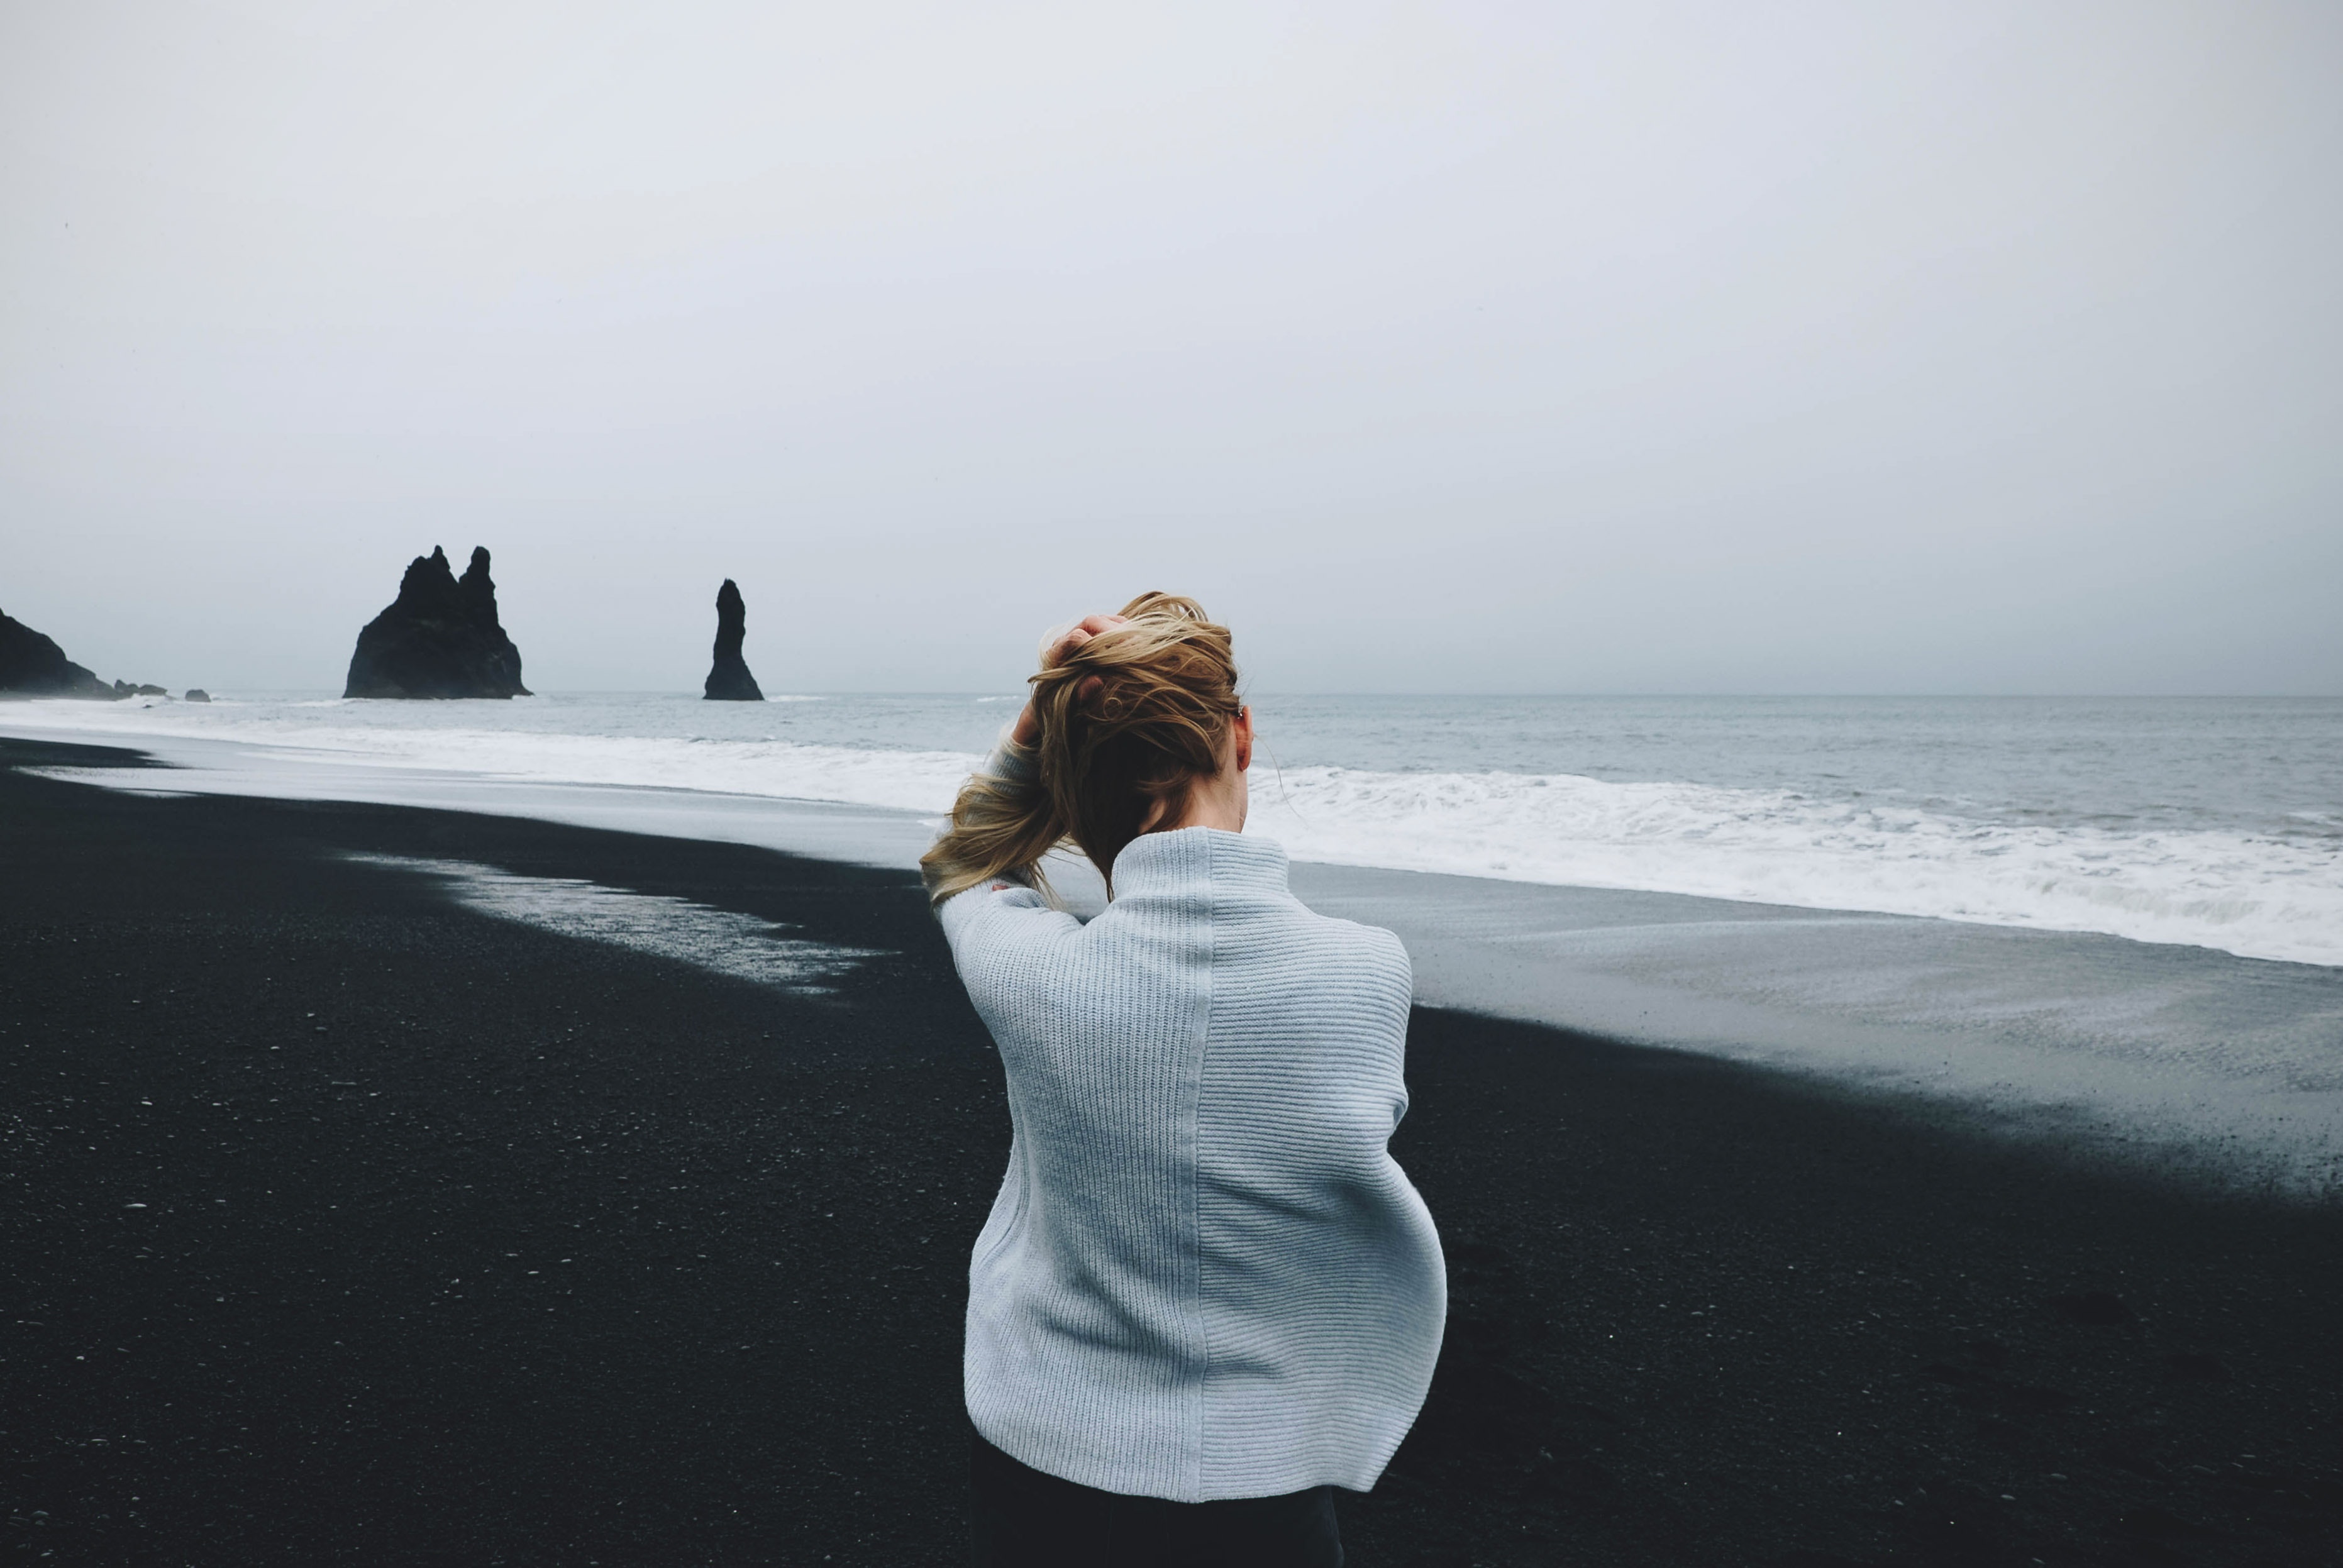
(997, 695)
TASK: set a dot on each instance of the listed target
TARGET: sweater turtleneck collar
(1157, 862)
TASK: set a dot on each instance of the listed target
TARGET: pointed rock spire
(729, 680)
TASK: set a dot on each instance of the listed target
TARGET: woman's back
(1204, 1276)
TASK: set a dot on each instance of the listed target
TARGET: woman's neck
(1219, 801)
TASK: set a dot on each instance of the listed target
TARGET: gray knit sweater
(1205, 1276)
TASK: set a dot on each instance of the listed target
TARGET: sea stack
(31, 665)
(729, 680)
(440, 637)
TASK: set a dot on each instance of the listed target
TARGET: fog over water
(1982, 348)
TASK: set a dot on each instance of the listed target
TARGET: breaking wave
(2257, 897)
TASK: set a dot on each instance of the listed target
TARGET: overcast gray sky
(1739, 348)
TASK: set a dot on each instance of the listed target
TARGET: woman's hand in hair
(1056, 647)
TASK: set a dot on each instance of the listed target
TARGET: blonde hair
(1129, 721)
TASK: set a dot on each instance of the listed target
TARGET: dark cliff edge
(729, 680)
(440, 638)
(32, 665)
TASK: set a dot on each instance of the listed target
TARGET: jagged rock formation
(729, 680)
(33, 666)
(197, 694)
(440, 637)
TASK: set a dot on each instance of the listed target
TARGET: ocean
(2208, 822)
(2106, 922)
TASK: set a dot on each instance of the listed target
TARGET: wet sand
(457, 1240)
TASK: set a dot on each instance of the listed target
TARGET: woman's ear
(1242, 731)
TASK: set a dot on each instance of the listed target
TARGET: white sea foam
(2254, 894)
(857, 776)
(722, 941)
(317, 733)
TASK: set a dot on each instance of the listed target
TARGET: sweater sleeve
(1001, 934)
(1012, 760)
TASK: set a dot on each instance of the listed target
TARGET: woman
(1206, 1294)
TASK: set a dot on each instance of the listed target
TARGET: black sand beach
(343, 1223)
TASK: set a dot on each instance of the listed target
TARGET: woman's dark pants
(1021, 1518)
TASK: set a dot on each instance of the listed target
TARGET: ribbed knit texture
(1204, 1276)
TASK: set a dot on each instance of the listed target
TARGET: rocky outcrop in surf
(729, 680)
(32, 665)
(440, 637)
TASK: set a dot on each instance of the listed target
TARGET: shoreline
(2156, 850)
(2180, 1060)
(321, 1338)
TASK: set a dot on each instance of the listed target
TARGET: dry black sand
(463, 1243)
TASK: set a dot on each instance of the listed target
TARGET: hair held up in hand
(1129, 720)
